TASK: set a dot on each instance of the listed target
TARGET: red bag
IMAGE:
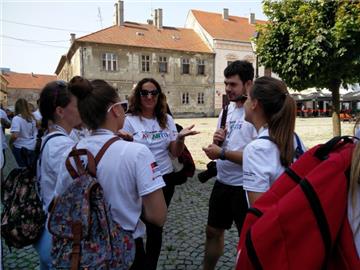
(301, 222)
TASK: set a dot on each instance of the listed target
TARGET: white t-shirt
(2, 139)
(3, 115)
(239, 134)
(261, 163)
(37, 115)
(78, 134)
(126, 172)
(27, 132)
(51, 159)
(148, 132)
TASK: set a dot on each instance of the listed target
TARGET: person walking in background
(227, 202)
(127, 172)
(149, 123)
(272, 110)
(23, 134)
(58, 107)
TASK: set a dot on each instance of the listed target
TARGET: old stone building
(126, 52)
(230, 38)
(3, 91)
(25, 85)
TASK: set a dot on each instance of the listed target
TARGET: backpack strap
(46, 141)
(324, 150)
(104, 148)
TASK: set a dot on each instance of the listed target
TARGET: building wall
(129, 72)
(3, 92)
(31, 95)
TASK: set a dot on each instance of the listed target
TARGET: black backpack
(22, 217)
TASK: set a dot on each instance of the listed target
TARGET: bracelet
(222, 154)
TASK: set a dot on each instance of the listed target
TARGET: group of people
(136, 173)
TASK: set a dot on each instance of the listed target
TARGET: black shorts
(227, 204)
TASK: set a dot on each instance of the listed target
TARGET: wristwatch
(222, 154)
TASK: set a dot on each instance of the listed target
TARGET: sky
(34, 34)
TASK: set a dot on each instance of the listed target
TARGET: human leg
(219, 219)
(43, 248)
(239, 206)
(153, 245)
(139, 261)
(18, 156)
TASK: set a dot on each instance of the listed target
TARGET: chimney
(252, 18)
(116, 14)
(160, 19)
(150, 22)
(156, 17)
(225, 14)
(120, 6)
(72, 38)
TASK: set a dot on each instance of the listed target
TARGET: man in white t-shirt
(228, 202)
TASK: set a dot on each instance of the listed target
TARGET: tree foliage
(312, 43)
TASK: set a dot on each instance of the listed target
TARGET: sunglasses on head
(124, 105)
(146, 93)
(59, 84)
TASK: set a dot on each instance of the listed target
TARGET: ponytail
(280, 109)
(355, 181)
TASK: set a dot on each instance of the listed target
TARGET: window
(200, 98)
(185, 66)
(109, 61)
(162, 64)
(185, 98)
(200, 67)
(145, 63)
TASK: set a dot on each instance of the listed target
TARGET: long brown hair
(22, 107)
(160, 108)
(280, 109)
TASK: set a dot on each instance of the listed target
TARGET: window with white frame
(185, 65)
(200, 99)
(109, 61)
(200, 67)
(163, 64)
(145, 63)
(185, 98)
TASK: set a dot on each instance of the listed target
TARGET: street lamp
(253, 45)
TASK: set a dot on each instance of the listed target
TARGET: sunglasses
(146, 93)
(124, 105)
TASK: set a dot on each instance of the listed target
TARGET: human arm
(213, 151)
(253, 196)
(154, 208)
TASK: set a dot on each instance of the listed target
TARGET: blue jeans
(43, 248)
(24, 157)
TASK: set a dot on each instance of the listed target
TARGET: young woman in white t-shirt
(58, 107)
(127, 172)
(23, 134)
(272, 110)
(150, 125)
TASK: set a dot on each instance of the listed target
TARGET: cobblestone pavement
(183, 239)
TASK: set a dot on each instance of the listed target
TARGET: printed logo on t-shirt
(154, 135)
(155, 170)
(233, 125)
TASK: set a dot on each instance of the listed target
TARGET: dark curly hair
(160, 108)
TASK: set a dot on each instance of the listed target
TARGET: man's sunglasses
(146, 93)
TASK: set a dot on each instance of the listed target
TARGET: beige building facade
(127, 52)
(3, 91)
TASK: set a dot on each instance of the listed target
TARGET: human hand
(187, 132)
(125, 136)
(219, 136)
(212, 151)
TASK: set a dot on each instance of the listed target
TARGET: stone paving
(183, 239)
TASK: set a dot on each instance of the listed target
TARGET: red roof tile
(149, 36)
(27, 80)
(235, 28)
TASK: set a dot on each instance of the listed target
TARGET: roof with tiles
(27, 80)
(235, 28)
(149, 36)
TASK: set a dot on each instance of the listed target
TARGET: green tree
(312, 44)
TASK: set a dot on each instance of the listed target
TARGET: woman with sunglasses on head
(149, 123)
(272, 110)
(127, 171)
(58, 107)
(23, 134)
